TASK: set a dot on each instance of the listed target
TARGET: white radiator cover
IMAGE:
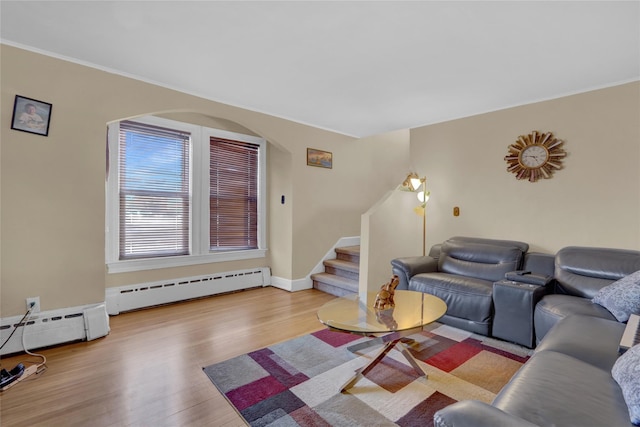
(89, 322)
(131, 297)
(54, 327)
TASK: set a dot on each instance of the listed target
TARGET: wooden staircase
(340, 275)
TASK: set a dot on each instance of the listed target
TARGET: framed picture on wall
(30, 115)
(323, 159)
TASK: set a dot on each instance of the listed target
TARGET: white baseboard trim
(54, 327)
(291, 285)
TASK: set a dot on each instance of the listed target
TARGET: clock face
(534, 156)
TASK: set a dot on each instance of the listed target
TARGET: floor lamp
(415, 184)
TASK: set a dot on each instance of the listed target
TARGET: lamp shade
(415, 183)
(423, 196)
(407, 184)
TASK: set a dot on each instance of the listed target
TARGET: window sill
(181, 261)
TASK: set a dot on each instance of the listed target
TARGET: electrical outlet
(36, 302)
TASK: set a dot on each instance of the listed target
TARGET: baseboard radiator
(131, 297)
(54, 327)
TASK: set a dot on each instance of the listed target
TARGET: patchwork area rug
(296, 383)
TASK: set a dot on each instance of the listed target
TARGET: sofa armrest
(524, 276)
(473, 413)
(539, 263)
(406, 268)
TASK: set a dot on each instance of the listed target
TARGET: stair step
(340, 277)
(334, 285)
(342, 268)
(349, 253)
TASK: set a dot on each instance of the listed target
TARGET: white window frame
(199, 217)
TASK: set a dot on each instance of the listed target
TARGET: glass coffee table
(412, 311)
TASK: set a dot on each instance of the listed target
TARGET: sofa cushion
(479, 260)
(583, 271)
(568, 337)
(473, 413)
(554, 389)
(407, 267)
(622, 297)
(553, 308)
(626, 372)
(466, 297)
(524, 247)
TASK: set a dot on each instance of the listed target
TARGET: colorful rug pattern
(295, 383)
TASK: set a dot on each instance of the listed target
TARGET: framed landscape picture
(322, 159)
(30, 115)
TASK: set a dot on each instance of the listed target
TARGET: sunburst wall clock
(534, 156)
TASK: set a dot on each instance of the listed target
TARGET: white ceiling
(359, 68)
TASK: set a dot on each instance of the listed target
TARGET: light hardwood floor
(148, 370)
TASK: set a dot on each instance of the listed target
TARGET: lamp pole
(414, 183)
(424, 230)
(425, 197)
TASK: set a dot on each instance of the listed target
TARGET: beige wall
(53, 196)
(390, 229)
(593, 201)
(281, 246)
(52, 188)
(368, 169)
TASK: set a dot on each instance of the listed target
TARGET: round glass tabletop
(351, 314)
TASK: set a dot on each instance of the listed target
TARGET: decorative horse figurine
(384, 298)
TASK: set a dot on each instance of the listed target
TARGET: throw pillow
(622, 297)
(626, 372)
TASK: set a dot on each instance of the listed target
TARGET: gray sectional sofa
(484, 280)
(461, 271)
(567, 382)
(580, 273)
(571, 305)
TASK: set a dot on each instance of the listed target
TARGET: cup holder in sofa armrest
(523, 276)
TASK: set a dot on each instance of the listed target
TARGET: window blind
(154, 191)
(233, 195)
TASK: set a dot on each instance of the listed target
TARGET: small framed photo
(323, 159)
(30, 115)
